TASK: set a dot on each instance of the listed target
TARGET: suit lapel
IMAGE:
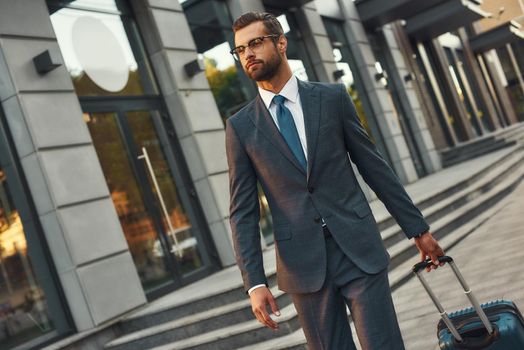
(310, 99)
(262, 119)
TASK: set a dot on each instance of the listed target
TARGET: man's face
(260, 63)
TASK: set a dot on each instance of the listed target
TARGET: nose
(248, 52)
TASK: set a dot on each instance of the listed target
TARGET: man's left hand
(429, 248)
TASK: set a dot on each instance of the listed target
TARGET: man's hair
(271, 23)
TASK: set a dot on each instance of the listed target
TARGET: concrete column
(239, 7)
(412, 106)
(448, 89)
(438, 129)
(383, 110)
(64, 176)
(494, 67)
(193, 111)
(316, 41)
(480, 84)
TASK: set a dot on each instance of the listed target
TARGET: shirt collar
(289, 91)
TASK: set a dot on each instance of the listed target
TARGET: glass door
(24, 311)
(146, 185)
(32, 309)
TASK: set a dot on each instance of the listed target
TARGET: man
(294, 139)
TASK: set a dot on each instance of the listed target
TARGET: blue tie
(289, 130)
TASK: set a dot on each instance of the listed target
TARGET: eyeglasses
(254, 45)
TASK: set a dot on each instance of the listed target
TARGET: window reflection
(179, 229)
(92, 35)
(137, 224)
(297, 55)
(513, 87)
(23, 308)
(223, 77)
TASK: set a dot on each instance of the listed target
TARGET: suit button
(317, 219)
(310, 189)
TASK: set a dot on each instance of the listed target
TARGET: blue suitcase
(497, 325)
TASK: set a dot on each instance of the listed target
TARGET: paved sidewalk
(490, 260)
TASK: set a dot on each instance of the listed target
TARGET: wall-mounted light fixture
(338, 74)
(379, 76)
(46, 61)
(409, 77)
(194, 67)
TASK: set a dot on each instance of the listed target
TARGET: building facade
(114, 185)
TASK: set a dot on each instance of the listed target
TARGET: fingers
(274, 306)
(260, 299)
(434, 255)
(264, 318)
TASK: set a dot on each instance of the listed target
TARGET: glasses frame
(251, 45)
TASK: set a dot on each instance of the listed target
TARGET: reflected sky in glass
(63, 21)
(221, 55)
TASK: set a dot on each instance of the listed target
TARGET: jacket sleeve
(244, 210)
(377, 173)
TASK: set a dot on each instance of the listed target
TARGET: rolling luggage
(497, 325)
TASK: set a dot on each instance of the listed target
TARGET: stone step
(480, 201)
(475, 151)
(206, 297)
(467, 146)
(238, 335)
(191, 325)
(434, 195)
(490, 177)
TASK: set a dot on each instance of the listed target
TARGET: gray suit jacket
(256, 152)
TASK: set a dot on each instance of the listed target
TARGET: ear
(282, 44)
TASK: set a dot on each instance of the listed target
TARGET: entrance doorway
(134, 143)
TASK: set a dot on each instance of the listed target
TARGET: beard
(267, 69)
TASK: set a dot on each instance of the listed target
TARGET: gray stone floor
(490, 260)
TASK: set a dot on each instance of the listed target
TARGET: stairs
(489, 143)
(215, 313)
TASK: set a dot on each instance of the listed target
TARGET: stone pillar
(65, 180)
(480, 84)
(448, 89)
(412, 107)
(193, 111)
(383, 110)
(239, 7)
(494, 67)
(317, 42)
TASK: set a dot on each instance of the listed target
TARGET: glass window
(210, 24)
(24, 313)
(296, 53)
(96, 39)
(344, 61)
(513, 87)
(462, 90)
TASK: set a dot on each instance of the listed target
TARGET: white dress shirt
(293, 103)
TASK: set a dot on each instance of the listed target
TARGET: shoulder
(329, 88)
(242, 115)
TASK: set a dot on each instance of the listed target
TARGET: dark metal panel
(284, 5)
(375, 13)
(496, 37)
(443, 18)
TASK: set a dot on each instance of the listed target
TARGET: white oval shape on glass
(100, 54)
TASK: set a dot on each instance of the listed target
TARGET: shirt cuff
(254, 287)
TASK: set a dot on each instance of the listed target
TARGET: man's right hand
(260, 298)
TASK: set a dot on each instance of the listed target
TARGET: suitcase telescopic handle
(417, 268)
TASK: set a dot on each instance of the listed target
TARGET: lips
(250, 64)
